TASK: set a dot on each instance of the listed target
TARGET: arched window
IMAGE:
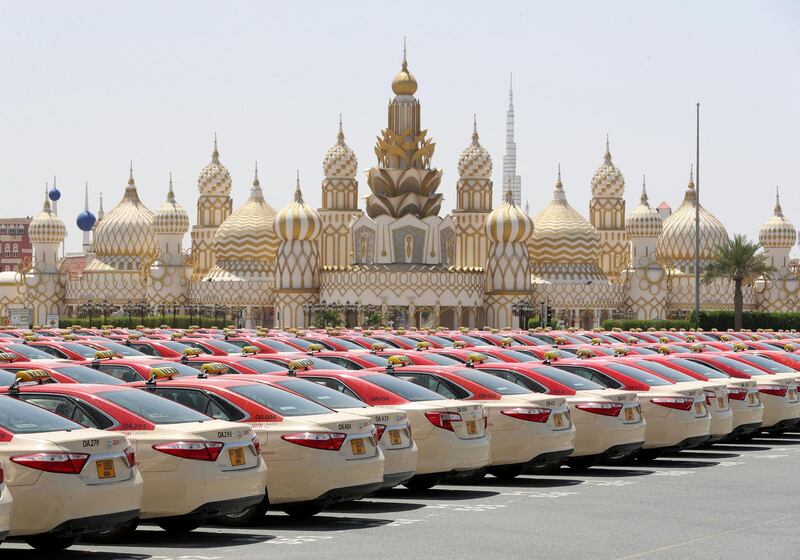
(16, 250)
(8, 250)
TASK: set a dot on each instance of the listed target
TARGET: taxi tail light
(1, 475)
(528, 414)
(54, 462)
(408, 428)
(379, 429)
(677, 403)
(485, 420)
(196, 450)
(330, 441)
(737, 393)
(443, 420)
(774, 390)
(256, 445)
(130, 456)
(710, 396)
(601, 408)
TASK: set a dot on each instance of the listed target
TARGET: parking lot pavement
(726, 501)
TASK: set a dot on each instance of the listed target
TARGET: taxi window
(122, 350)
(22, 418)
(441, 341)
(261, 366)
(436, 384)
(405, 389)
(223, 346)
(663, 370)
(153, 408)
(29, 352)
(123, 373)
(6, 377)
(697, 367)
(347, 344)
(343, 362)
(278, 400)
(172, 345)
(197, 364)
(377, 361)
(321, 394)
(473, 340)
(492, 382)
(518, 379)
(441, 359)
(637, 374)
(739, 366)
(277, 345)
(83, 374)
(766, 363)
(144, 348)
(593, 376)
(55, 352)
(201, 401)
(333, 384)
(63, 406)
(568, 379)
(316, 363)
(304, 344)
(184, 370)
(79, 349)
(518, 356)
(370, 341)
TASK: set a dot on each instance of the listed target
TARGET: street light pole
(697, 222)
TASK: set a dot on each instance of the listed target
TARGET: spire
(340, 136)
(86, 197)
(558, 182)
(298, 195)
(100, 212)
(215, 153)
(778, 210)
(256, 182)
(405, 58)
(170, 193)
(255, 191)
(130, 176)
(509, 194)
(511, 90)
(559, 194)
(527, 207)
(46, 205)
(510, 157)
(607, 156)
(643, 199)
(691, 176)
(474, 129)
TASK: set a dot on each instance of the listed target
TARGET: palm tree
(739, 261)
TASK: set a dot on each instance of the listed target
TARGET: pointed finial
(558, 181)
(510, 88)
(405, 59)
(691, 176)
(340, 135)
(256, 182)
(170, 192)
(130, 176)
(100, 211)
(86, 196)
(474, 128)
(54, 182)
(643, 199)
(607, 156)
(298, 196)
(46, 205)
(215, 153)
(778, 210)
(527, 207)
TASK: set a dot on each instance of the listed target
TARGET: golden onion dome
(214, 179)
(171, 218)
(247, 234)
(298, 221)
(127, 229)
(340, 160)
(676, 244)
(508, 223)
(475, 161)
(46, 227)
(777, 232)
(607, 181)
(562, 235)
(643, 221)
(404, 83)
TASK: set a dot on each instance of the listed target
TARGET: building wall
(14, 243)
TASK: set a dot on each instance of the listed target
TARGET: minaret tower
(607, 215)
(510, 176)
(296, 267)
(473, 203)
(44, 291)
(213, 206)
(168, 283)
(339, 203)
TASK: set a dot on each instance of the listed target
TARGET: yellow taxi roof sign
(459, 344)
(551, 356)
(214, 368)
(191, 352)
(27, 375)
(7, 357)
(314, 347)
(423, 345)
(249, 350)
(104, 354)
(477, 357)
(166, 372)
(379, 346)
(399, 360)
(300, 364)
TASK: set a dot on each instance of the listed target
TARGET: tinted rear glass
(123, 350)
(29, 352)
(568, 379)
(739, 366)
(83, 374)
(637, 374)
(699, 368)
(664, 371)
(22, 418)
(277, 345)
(321, 394)
(157, 410)
(406, 389)
(222, 345)
(261, 366)
(172, 345)
(441, 360)
(278, 400)
(491, 382)
(79, 349)
(347, 344)
(518, 356)
(766, 363)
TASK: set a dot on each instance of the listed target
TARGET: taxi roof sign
(477, 357)
(104, 354)
(7, 357)
(191, 352)
(313, 347)
(166, 372)
(399, 360)
(302, 363)
(459, 344)
(28, 375)
(249, 350)
(423, 345)
(213, 368)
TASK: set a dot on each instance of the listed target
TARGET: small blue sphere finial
(54, 194)
(86, 220)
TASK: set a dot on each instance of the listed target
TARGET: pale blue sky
(87, 86)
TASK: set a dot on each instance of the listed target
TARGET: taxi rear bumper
(393, 479)
(93, 523)
(222, 507)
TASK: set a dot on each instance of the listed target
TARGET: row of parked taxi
(103, 428)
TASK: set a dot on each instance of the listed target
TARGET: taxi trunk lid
(106, 462)
(359, 434)
(237, 450)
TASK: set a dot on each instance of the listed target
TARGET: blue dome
(86, 221)
(54, 194)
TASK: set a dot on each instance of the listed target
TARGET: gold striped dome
(475, 161)
(607, 181)
(171, 218)
(248, 233)
(643, 221)
(340, 160)
(214, 178)
(298, 221)
(46, 227)
(404, 83)
(676, 244)
(127, 229)
(508, 223)
(562, 235)
(777, 232)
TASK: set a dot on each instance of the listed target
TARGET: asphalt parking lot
(727, 501)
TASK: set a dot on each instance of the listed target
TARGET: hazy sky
(88, 86)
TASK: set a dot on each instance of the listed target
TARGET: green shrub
(660, 324)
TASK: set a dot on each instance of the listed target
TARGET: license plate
(557, 420)
(721, 401)
(105, 468)
(472, 427)
(394, 437)
(358, 447)
(698, 408)
(629, 414)
(236, 456)
(751, 398)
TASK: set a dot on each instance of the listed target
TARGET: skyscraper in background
(510, 177)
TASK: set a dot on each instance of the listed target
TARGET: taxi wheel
(121, 533)
(473, 477)
(581, 463)
(179, 525)
(506, 472)
(421, 483)
(244, 518)
(50, 543)
(303, 511)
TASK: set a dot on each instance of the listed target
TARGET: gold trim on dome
(508, 223)
(777, 232)
(298, 221)
(127, 229)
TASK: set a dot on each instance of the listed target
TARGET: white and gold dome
(127, 229)
(214, 180)
(508, 223)
(607, 181)
(475, 162)
(777, 232)
(46, 227)
(340, 160)
(404, 82)
(298, 221)
(562, 234)
(644, 221)
(676, 244)
(171, 218)
(248, 234)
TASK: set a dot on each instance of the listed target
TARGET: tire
(245, 517)
(506, 472)
(50, 543)
(303, 511)
(582, 463)
(473, 478)
(648, 455)
(179, 525)
(121, 533)
(421, 483)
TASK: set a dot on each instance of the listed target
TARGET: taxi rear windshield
(278, 400)
(321, 394)
(665, 371)
(29, 352)
(409, 391)
(261, 366)
(491, 382)
(277, 345)
(222, 346)
(157, 410)
(122, 350)
(766, 363)
(638, 375)
(702, 369)
(441, 360)
(80, 349)
(739, 366)
(22, 418)
(83, 374)
(568, 379)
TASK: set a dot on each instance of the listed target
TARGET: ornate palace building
(397, 257)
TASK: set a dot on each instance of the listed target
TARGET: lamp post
(522, 308)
